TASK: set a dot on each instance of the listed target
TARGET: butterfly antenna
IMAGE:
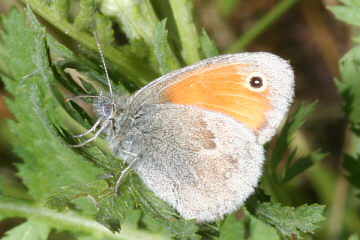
(104, 64)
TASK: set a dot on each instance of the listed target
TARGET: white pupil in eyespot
(256, 82)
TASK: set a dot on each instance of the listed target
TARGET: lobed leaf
(37, 142)
(130, 66)
(104, 30)
(162, 212)
(85, 15)
(291, 221)
(302, 164)
(292, 124)
(164, 56)
(137, 20)
(62, 198)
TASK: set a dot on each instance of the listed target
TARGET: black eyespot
(256, 82)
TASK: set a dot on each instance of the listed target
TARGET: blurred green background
(307, 34)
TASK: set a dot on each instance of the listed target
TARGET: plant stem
(341, 189)
(261, 25)
(188, 35)
(138, 73)
(322, 179)
(70, 220)
(227, 7)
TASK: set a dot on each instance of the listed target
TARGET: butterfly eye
(257, 82)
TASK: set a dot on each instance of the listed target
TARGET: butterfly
(195, 136)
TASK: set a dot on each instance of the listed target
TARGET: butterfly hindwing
(204, 169)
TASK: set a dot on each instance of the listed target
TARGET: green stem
(271, 184)
(138, 73)
(352, 146)
(228, 7)
(70, 220)
(321, 178)
(261, 25)
(182, 10)
(337, 210)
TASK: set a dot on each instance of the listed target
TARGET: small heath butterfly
(195, 136)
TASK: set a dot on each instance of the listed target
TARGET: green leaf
(140, 72)
(232, 228)
(37, 142)
(162, 212)
(69, 221)
(301, 164)
(259, 229)
(348, 14)
(227, 7)
(289, 220)
(86, 14)
(137, 20)
(182, 11)
(354, 237)
(354, 3)
(163, 53)
(349, 87)
(261, 25)
(111, 211)
(207, 45)
(292, 124)
(61, 8)
(61, 198)
(352, 166)
(32, 229)
(104, 30)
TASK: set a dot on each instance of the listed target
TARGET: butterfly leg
(93, 137)
(88, 131)
(125, 171)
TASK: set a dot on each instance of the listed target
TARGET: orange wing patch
(222, 89)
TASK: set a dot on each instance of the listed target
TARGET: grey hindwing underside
(203, 163)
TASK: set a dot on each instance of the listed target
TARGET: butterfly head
(104, 106)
